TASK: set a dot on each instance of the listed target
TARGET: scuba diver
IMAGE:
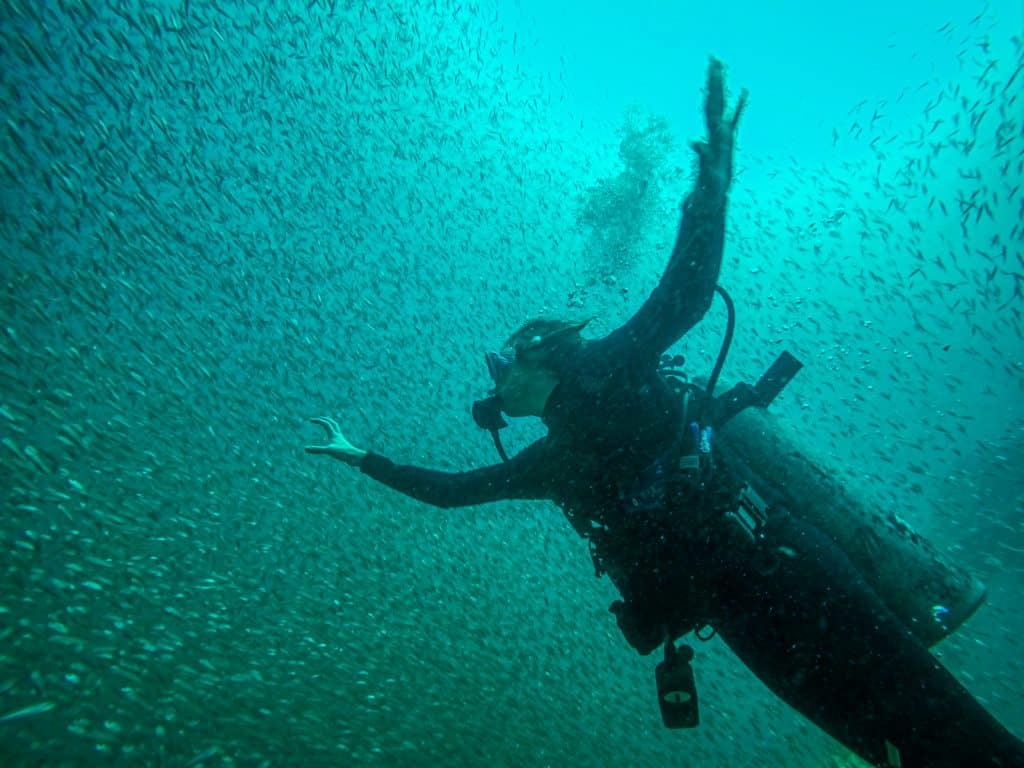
(689, 541)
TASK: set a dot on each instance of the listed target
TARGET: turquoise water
(220, 220)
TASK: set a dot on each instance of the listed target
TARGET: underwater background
(221, 219)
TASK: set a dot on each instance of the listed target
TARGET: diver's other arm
(715, 154)
(689, 281)
(687, 286)
(337, 446)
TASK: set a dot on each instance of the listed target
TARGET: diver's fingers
(714, 105)
(318, 449)
(327, 423)
(323, 422)
(738, 111)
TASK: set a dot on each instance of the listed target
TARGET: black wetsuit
(806, 622)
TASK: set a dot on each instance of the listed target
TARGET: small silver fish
(206, 754)
(29, 711)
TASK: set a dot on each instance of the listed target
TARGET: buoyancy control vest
(680, 479)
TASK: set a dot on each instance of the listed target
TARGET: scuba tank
(930, 593)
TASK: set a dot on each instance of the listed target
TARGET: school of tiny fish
(222, 219)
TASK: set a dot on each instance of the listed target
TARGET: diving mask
(498, 363)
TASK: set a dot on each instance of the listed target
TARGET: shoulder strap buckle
(750, 515)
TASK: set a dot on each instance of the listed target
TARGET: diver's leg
(817, 635)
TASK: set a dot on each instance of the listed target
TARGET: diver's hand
(716, 153)
(337, 446)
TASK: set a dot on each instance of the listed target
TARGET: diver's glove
(337, 446)
(716, 153)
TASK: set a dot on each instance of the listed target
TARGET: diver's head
(531, 364)
(522, 387)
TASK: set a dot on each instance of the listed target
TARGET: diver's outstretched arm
(687, 286)
(528, 475)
